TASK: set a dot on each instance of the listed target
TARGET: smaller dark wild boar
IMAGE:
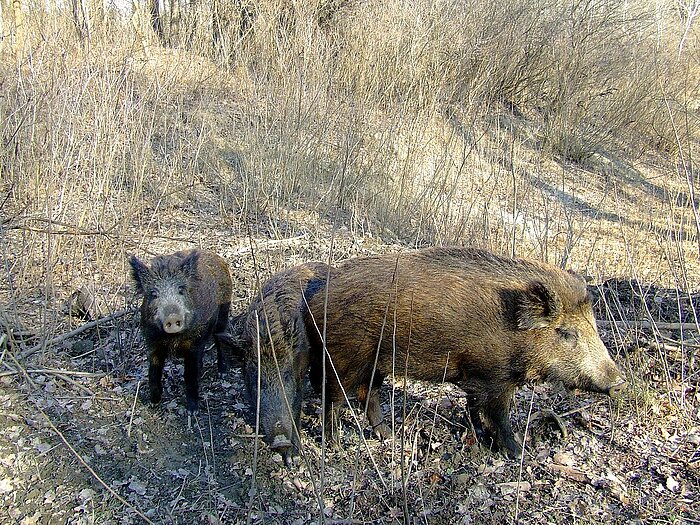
(483, 322)
(274, 323)
(186, 299)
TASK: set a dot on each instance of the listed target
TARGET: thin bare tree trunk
(691, 10)
(174, 22)
(2, 26)
(19, 26)
(80, 19)
(136, 18)
(156, 21)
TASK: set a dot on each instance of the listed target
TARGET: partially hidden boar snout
(272, 341)
(604, 375)
(617, 389)
(174, 323)
(281, 443)
(280, 439)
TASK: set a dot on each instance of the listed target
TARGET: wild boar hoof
(513, 452)
(333, 439)
(548, 414)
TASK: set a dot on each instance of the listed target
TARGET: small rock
(33, 520)
(86, 495)
(514, 486)
(6, 486)
(42, 447)
(138, 487)
(81, 347)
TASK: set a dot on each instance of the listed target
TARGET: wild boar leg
(156, 362)
(221, 325)
(374, 406)
(481, 434)
(496, 411)
(193, 368)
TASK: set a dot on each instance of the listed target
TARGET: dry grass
(565, 132)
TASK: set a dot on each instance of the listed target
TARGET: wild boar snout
(602, 369)
(617, 389)
(174, 323)
(285, 448)
(172, 315)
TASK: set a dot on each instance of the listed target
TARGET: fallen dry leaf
(570, 472)
(514, 486)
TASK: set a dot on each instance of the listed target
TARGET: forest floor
(77, 430)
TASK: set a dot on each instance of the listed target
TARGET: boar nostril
(173, 324)
(617, 389)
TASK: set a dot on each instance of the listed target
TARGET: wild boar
(483, 322)
(186, 299)
(270, 337)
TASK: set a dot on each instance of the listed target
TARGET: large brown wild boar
(270, 337)
(186, 299)
(483, 322)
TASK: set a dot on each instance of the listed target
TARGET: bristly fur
(484, 322)
(188, 290)
(138, 271)
(274, 323)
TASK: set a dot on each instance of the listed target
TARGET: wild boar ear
(139, 272)
(537, 306)
(584, 279)
(189, 264)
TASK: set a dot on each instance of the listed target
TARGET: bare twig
(133, 407)
(52, 371)
(83, 328)
(77, 454)
(76, 384)
(211, 439)
(177, 498)
(649, 324)
(522, 456)
(679, 343)
(256, 443)
(3, 345)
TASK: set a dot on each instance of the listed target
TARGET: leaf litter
(632, 462)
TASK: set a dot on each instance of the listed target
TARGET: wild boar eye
(153, 294)
(181, 290)
(570, 336)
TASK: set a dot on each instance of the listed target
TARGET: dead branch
(53, 371)
(77, 454)
(653, 325)
(87, 326)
